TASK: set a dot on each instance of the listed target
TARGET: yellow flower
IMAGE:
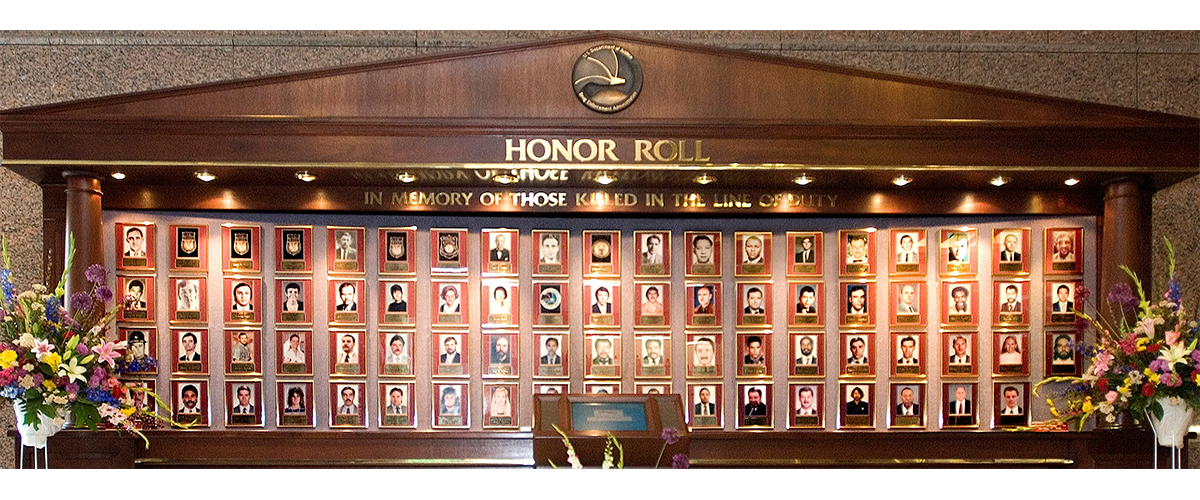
(128, 411)
(52, 359)
(1087, 406)
(1153, 378)
(1148, 372)
(1054, 412)
(49, 385)
(8, 359)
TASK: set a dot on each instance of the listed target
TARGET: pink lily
(106, 353)
(1172, 336)
(42, 348)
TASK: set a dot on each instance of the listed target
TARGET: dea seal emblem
(607, 78)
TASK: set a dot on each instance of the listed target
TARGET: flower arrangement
(614, 454)
(57, 364)
(1134, 364)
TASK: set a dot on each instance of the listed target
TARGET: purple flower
(81, 301)
(1122, 294)
(38, 379)
(99, 378)
(1081, 293)
(670, 435)
(104, 293)
(1160, 366)
(72, 388)
(679, 461)
(96, 274)
(1081, 324)
(82, 349)
(1196, 355)
(52, 309)
(1174, 291)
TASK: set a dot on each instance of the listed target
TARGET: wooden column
(1125, 236)
(84, 223)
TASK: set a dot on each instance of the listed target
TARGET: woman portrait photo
(500, 403)
(1010, 351)
(500, 303)
(450, 404)
(295, 401)
(449, 295)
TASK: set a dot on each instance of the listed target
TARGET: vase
(1173, 427)
(1122, 420)
(45, 428)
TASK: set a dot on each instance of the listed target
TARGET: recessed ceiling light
(803, 180)
(118, 175)
(205, 176)
(605, 179)
(305, 176)
(999, 180)
(705, 179)
(1071, 182)
(505, 178)
(405, 177)
(902, 180)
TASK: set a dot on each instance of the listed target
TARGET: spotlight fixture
(205, 176)
(902, 180)
(305, 176)
(1071, 182)
(999, 180)
(605, 179)
(406, 177)
(803, 180)
(705, 179)
(118, 175)
(505, 178)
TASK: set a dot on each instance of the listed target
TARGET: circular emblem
(607, 78)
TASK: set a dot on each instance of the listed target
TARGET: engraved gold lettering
(699, 152)
(488, 199)
(532, 150)
(683, 151)
(642, 147)
(832, 199)
(563, 149)
(509, 149)
(671, 146)
(606, 150)
(689, 200)
(591, 148)
(654, 199)
(374, 198)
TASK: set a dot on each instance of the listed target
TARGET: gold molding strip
(337, 463)
(879, 462)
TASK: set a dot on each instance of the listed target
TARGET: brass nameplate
(133, 261)
(754, 370)
(550, 370)
(704, 269)
(804, 319)
(187, 419)
(241, 367)
(908, 370)
(550, 269)
(395, 267)
(500, 319)
(602, 319)
(499, 369)
(705, 421)
(1011, 369)
(756, 421)
(347, 368)
(806, 421)
(754, 319)
(294, 419)
(138, 314)
(858, 369)
(242, 419)
(239, 315)
(1010, 267)
(906, 421)
(395, 318)
(703, 371)
(908, 318)
(291, 368)
(500, 421)
(453, 420)
(292, 317)
(857, 268)
(190, 367)
(806, 370)
(704, 319)
(857, 319)
(958, 267)
(187, 315)
(1057, 368)
(346, 420)
(908, 268)
(395, 420)
(1062, 317)
(959, 318)
(396, 370)
(241, 264)
(652, 320)
(346, 317)
(187, 263)
(604, 370)
(347, 265)
(601, 269)
(449, 369)
(449, 318)
(654, 370)
(1056, 266)
(958, 369)
(499, 267)
(548, 319)
(1011, 318)
(291, 265)
(441, 264)
(858, 421)
(653, 269)
(804, 268)
(754, 268)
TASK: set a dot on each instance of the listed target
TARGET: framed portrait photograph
(704, 355)
(653, 250)
(189, 351)
(191, 248)
(550, 255)
(754, 355)
(397, 302)
(294, 301)
(293, 358)
(960, 303)
(244, 403)
(907, 304)
(1008, 302)
(135, 246)
(1010, 354)
(908, 251)
(502, 249)
(1064, 250)
(552, 355)
(190, 399)
(703, 304)
(500, 405)
(806, 350)
(397, 249)
(858, 354)
(651, 304)
(602, 253)
(293, 249)
(136, 396)
(1062, 358)
(602, 356)
(754, 405)
(855, 409)
(1012, 403)
(449, 252)
(140, 342)
(396, 354)
(551, 307)
(449, 304)
(500, 304)
(858, 308)
(806, 303)
(294, 401)
(703, 254)
(1010, 251)
(605, 387)
(395, 405)
(347, 353)
(958, 252)
(908, 354)
(346, 301)
(500, 355)
(704, 402)
(243, 300)
(654, 356)
(652, 388)
(958, 408)
(1060, 302)
(805, 405)
(450, 354)
(855, 252)
(241, 248)
(602, 303)
(961, 352)
(753, 254)
(907, 406)
(551, 387)
(137, 293)
(753, 304)
(450, 407)
(346, 249)
(243, 352)
(804, 247)
(347, 404)
(189, 300)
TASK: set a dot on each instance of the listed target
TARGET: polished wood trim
(1125, 236)
(84, 224)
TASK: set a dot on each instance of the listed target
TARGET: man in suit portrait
(187, 295)
(653, 252)
(349, 401)
(1064, 303)
(959, 355)
(1010, 253)
(241, 351)
(703, 301)
(960, 305)
(653, 357)
(189, 395)
(1012, 413)
(550, 247)
(754, 301)
(603, 352)
(291, 298)
(754, 351)
(906, 406)
(551, 357)
(752, 250)
(398, 304)
(135, 242)
(908, 299)
(602, 305)
(857, 303)
(133, 295)
(856, 249)
(807, 356)
(1064, 247)
(500, 354)
(908, 348)
(396, 354)
(808, 300)
(396, 404)
(754, 403)
(243, 297)
(1011, 294)
(1063, 354)
(704, 407)
(188, 342)
(348, 297)
(499, 251)
(243, 405)
(858, 352)
(856, 405)
(958, 243)
(349, 354)
(805, 405)
(345, 249)
(704, 353)
(806, 254)
(906, 255)
(960, 408)
(450, 356)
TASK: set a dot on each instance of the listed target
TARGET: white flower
(1111, 418)
(27, 341)
(39, 288)
(26, 382)
(28, 367)
(59, 421)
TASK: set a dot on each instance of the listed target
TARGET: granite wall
(1152, 70)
